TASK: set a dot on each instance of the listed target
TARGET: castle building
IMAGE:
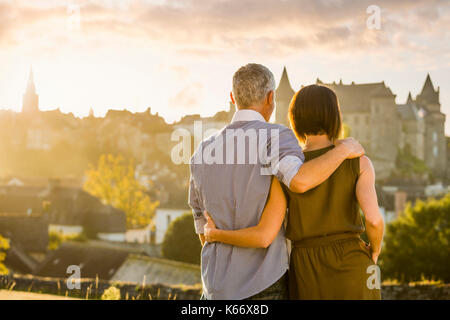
(371, 113)
(30, 98)
(382, 126)
(430, 128)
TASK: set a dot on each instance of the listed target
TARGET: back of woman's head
(314, 110)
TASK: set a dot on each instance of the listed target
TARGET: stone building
(381, 125)
(371, 113)
(434, 136)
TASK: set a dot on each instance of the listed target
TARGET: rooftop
(139, 269)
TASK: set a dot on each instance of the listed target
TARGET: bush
(417, 243)
(56, 238)
(112, 293)
(180, 241)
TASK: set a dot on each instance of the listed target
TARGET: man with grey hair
(235, 193)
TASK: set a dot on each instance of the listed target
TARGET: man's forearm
(316, 171)
(252, 237)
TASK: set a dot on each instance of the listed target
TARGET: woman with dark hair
(328, 259)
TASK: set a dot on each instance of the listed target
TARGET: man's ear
(269, 98)
(232, 98)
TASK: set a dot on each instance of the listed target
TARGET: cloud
(189, 98)
(219, 27)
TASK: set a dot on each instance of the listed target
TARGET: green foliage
(115, 183)
(408, 165)
(4, 246)
(112, 293)
(417, 243)
(346, 131)
(56, 238)
(180, 241)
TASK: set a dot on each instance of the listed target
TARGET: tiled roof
(155, 270)
(357, 97)
(68, 206)
(93, 258)
(27, 231)
(17, 260)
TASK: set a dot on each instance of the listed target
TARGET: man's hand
(210, 228)
(375, 256)
(352, 147)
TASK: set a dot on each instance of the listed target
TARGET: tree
(4, 245)
(114, 182)
(417, 243)
(180, 241)
(408, 165)
(346, 131)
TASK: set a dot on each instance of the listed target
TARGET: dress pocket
(365, 247)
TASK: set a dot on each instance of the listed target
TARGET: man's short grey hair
(251, 84)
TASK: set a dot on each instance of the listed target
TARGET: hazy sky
(178, 56)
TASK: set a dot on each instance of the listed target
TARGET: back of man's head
(251, 84)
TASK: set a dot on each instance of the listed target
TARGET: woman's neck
(317, 142)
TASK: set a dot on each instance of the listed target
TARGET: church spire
(410, 99)
(30, 85)
(30, 98)
(428, 85)
(428, 94)
(283, 96)
(284, 89)
(284, 76)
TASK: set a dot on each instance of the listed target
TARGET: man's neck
(257, 109)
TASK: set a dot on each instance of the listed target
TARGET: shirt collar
(247, 115)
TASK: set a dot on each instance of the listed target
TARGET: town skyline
(128, 54)
(225, 107)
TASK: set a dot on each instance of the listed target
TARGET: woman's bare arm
(367, 198)
(259, 236)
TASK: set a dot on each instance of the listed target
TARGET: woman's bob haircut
(314, 110)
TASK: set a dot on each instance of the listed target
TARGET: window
(435, 136)
(435, 151)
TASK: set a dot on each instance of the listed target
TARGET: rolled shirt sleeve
(288, 168)
(197, 208)
(290, 157)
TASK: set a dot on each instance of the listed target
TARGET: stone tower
(435, 145)
(283, 97)
(30, 98)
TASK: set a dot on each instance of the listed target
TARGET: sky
(178, 56)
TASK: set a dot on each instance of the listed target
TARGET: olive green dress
(328, 258)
